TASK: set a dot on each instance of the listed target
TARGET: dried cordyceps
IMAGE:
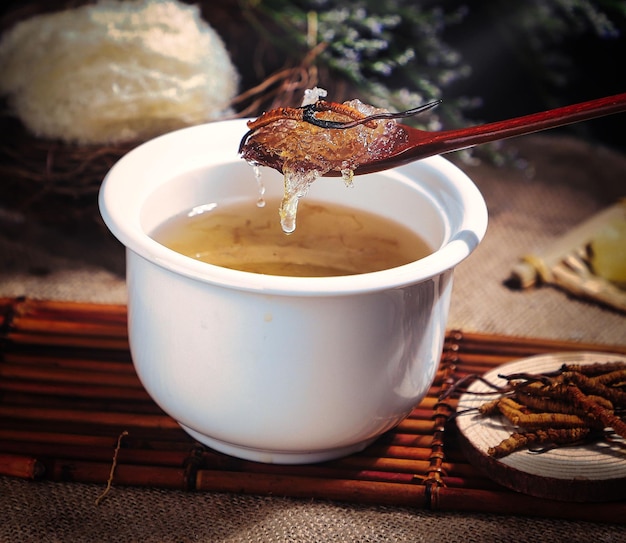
(553, 436)
(573, 404)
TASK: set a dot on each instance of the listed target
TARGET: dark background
(505, 73)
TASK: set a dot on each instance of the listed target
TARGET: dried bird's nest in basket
(101, 79)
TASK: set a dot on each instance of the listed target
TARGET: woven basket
(52, 180)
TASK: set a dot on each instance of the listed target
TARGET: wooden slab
(594, 472)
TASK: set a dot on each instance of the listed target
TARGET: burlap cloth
(560, 182)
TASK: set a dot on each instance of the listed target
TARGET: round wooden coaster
(580, 473)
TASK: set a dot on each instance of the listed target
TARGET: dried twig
(113, 466)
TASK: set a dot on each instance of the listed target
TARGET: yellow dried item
(608, 252)
(598, 368)
(519, 416)
(517, 441)
(511, 410)
(596, 413)
(594, 386)
(546, 404)
(115, 71)
(489, 408)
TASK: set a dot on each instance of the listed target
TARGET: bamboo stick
(474, 361)
(111, 393)
(73, 341)
(149, 426)
(142, 457)
(407, 453)
(135, 440)
(46, 327)
(532, 345)
(115, 313)
(396, 437)
(418, 467)
(471, 363)
(76, 440)
(415, 426)
(513, 503)
(352, 467)
(19, 465)
(215, 461)
(71, 416)
(395, 451)
(65, 470)
(427, 403)
(20, 401)
(311, 487)
(420, 414)
(468, 363)
(54, 360)
(54, 375)
(41, 400)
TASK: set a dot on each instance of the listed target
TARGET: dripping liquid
(260, 185)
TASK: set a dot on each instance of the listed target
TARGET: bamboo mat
(73, 410)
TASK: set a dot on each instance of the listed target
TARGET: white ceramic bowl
(284, 369)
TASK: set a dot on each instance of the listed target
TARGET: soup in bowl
(285, 348)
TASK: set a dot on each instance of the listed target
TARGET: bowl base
(276, 457)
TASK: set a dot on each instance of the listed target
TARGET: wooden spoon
(422, 143)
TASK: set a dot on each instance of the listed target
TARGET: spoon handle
(535, 122)
(422, 143)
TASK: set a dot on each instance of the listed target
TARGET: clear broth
(331, 240)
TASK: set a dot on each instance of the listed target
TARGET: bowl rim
(119, 210)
